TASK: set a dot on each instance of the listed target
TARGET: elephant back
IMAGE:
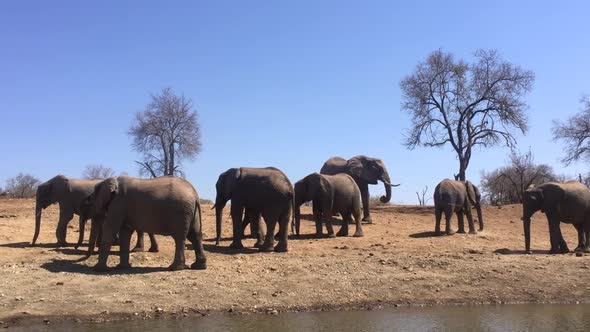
(334, 165)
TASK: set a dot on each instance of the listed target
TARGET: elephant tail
(198, 207)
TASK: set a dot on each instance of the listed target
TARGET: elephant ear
(59, 186)
(321, 190)
(104, 192)
(550, 196)
(231, 177)
(472, 193)
(355, 167)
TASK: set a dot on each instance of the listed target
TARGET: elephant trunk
(38, 210)
(387, 185)
(218, 217)
(479, 217)
(527, 235)
(297, 219)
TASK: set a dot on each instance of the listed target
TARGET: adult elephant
(165, 205)
(459, 197)
(330, 194)
(567, 202)
(68, 193)
(364, 170)
(260, 191)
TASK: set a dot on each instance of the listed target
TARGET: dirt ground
(398, 262)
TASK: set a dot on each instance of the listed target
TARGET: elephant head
(532, 201)
(308, 189)
(225, 187)
(103, 194)
(475, 200)
(371, 170)
(49, 193)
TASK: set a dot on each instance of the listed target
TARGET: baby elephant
(330, 194)
(459, 197)
(166, 205)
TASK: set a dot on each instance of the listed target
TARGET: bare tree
(166, 132)
(97, 171)
(422, 197)
(22, 186)
(508, 184)
(576, 134)
(465, 105)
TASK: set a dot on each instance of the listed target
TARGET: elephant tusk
(213, 208)
(391, 185)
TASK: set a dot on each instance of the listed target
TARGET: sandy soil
(398, 262)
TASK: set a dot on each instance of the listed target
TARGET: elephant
(165, 205)
(459, 197)
(95, 233)
(68, 193)
(260, 191)
(330, 194)
(567, 202)
(364, 170)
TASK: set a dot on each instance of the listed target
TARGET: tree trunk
(462, 169)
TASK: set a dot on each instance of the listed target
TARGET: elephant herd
(170, 206)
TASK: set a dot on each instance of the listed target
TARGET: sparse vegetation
(97, 171)
(465, 104)
(507, 184)
(422, 199)
(575, 132)
(166, 132)
(376, 201)
(22, 186)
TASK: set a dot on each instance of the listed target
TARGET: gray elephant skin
(331, 194)
(260, 191)
(68, 193)
(567, 202)
(87, 212)
(459, 197)
(165, 205)
(364, 170)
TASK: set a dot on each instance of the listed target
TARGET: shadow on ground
(62, 265)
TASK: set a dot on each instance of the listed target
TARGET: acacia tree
(166, 132)
(507, 184)
(97, 171)
(22, 186)
(465, 104)
(575, 132)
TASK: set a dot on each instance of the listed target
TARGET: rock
(579, 254)
(59, 283)
(46, 321)
(159, 310)
(19, 298)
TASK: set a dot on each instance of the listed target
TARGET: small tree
(465, 105)
(166, 132)
(508, 184)
(22, 186)
(97, 171)
(575, 132)
(422, 197)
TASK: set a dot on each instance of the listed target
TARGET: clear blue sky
(281, 83)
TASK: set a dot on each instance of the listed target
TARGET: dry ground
(398, 262)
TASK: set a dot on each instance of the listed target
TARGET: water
(524, 317)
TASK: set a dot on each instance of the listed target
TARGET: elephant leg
(179, 262)
(346, 218)
(448, 216)
(470, 220)
(124, 244)
(139, 244)
(461, 222)
(329, 227)
(364, 187)
(269, 240)
(586, 229)
(437, 216)
(581, 242)
(558, 244)
(196, 238)
(95, 226)
(153, 243)
(62, 227)
(82, 224)
(255, 227)
(317, 216)
(358, 232)
(236, 216)
(283, 232)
